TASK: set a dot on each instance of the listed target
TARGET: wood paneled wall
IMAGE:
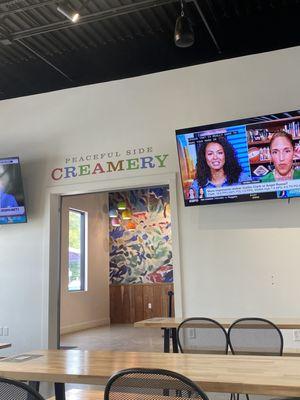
(129, 303)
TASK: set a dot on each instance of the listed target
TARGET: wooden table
(4, 345)
(282, 323)
(271, 376)
(171, 324)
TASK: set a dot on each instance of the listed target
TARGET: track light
(184, 34)
(68, 12)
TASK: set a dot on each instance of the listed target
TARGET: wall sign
(102, 163)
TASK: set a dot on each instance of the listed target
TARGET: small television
(244, 160)
(12, 202)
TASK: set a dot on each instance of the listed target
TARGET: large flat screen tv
(249, 159)
(12, 204)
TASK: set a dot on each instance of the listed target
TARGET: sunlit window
(77, 250)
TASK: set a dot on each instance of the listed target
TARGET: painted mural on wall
(141, 248)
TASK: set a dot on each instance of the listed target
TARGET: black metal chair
(203, 336)
(14, 390)
(255, 336)
(140, 384)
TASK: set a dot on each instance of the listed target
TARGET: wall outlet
(192, 333)
(5, 331)
(150, 306)
(296, 333)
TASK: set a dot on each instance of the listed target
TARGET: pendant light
(121, 205)
(116, 222)
(113, 213)
(126, 214)
(131, 226)
(184, 34)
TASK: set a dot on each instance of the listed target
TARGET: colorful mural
(142, 254)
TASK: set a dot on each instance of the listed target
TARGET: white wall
(90, 308)
(229, 252)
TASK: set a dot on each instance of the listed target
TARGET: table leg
(34, 385)
(166, 340)
(174, 340)
(60, 393)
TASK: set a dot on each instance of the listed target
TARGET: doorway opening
(116, 267)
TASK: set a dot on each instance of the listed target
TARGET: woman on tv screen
(282, 152)
(217, 165)
(6, 200)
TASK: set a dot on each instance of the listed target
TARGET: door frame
(51, 248)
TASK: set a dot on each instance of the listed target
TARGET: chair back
(14, 390)
(202, 335)
(255, 336)
(149, 384)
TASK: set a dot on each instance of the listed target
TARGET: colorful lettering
(161, 159)
(70, 172)
(133, 163)
(55, 176)
(112, 167)
(84, 169)
(98, 169)
(147, 162)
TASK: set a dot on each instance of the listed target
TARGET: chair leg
(247, 397)
(34, 385)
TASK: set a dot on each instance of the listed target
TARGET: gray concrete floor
(116, 337)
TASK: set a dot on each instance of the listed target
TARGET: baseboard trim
(84, 325)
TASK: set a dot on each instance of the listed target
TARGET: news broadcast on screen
(12, 202)
(251, 159)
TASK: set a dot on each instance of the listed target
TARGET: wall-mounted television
(244, 160)
(12, 202)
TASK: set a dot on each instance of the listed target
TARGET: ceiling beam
(29, 7)
(86, 19)
(45, 60)
(205, 22)
(42, 3)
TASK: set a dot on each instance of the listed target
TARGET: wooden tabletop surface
(282, 323)
(81, 394)
(274, 376)
(5, 345)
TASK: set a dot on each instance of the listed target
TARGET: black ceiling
(40, 50)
